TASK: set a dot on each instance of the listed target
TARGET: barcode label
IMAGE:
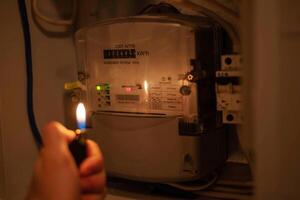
(123, 97)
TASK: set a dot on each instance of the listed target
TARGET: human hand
(55, 173)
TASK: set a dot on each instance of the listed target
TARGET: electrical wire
(159, 8)
(193, 188)
(225, 17)
(219, 9)
(29, 73)
(57, 22)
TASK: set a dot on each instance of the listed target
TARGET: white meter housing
(143, 88)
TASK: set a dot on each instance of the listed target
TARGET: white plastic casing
(138, 71)
(231, 62)
(229, 96)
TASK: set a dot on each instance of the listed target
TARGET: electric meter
(150, 85)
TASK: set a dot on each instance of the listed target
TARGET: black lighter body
(78, 149)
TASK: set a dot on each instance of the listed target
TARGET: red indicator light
(128, 89)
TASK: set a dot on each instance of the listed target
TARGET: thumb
(55, 135)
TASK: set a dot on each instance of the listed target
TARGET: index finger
(54, 133)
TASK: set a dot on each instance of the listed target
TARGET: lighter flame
(81, 116)
(146, 86)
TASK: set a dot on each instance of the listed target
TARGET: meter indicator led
(98, 87)
(103, 87)
(128, 89)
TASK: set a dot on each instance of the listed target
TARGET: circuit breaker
(228, 89)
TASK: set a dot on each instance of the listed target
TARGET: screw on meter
(185, 90)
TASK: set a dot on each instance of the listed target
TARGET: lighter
(78, 148)
(78, 145)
